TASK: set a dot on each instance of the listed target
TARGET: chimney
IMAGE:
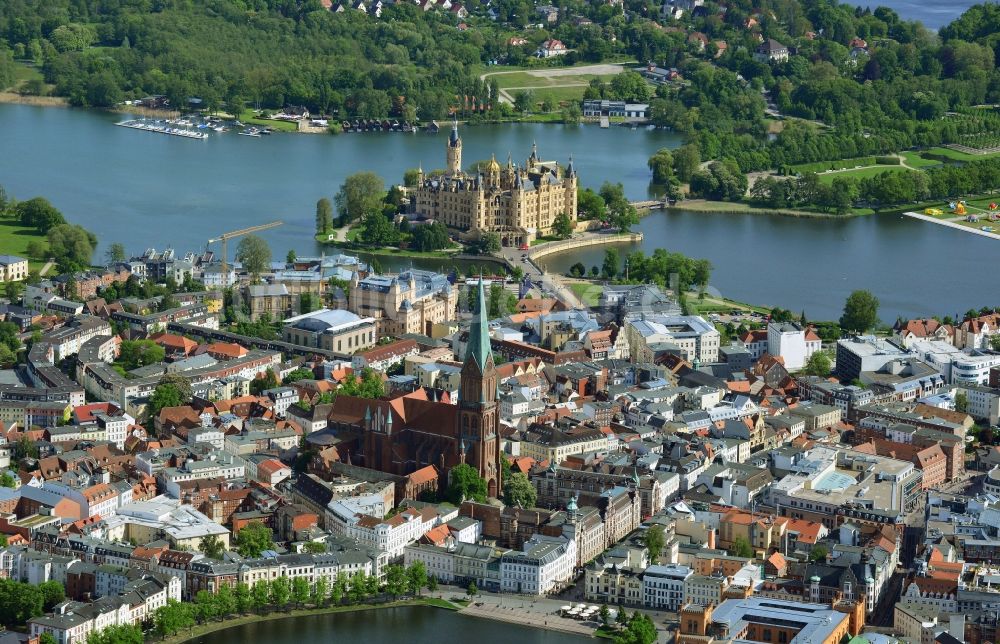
(711, 538)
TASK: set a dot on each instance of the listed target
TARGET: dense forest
(858, 82)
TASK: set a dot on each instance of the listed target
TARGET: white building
(663, 586)
(544, 565)
(791, 342)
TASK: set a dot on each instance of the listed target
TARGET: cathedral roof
(479, 334)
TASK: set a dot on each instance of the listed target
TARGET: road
(550, 284)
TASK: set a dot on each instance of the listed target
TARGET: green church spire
(479, 333)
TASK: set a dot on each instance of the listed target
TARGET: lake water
(145, 189)
(932, 13)
(409, 624)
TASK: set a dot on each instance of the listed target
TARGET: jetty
(162, 128)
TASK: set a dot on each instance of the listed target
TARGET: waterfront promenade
(543, 612)
(553, 283)
(952, 224)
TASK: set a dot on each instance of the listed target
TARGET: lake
(152, 190)
(410, 624)
(933, 14)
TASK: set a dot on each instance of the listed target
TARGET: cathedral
(410, 432)
(519, 203)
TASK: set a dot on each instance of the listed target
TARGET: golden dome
(493, 166)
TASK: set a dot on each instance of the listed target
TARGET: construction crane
(225, 237)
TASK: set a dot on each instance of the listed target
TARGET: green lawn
(557, 95)
(956, 155)
(860, 173)
(14, 240)
(589, 294)
(282, 126)
(526, 79)
(914, 160)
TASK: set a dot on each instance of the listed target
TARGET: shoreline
(951, 224)
(739, 208)
(13, 98)
(243, 620)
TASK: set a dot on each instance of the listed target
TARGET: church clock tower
(479, 413)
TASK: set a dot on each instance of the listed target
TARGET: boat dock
(162, 128)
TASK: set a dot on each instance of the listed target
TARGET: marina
(163, 127)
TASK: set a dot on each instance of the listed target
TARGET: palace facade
(519, 203)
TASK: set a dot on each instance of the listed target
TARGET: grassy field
(860, 173)
(956, 155)
(589, 294)
(915, 160)
(14, 240)
(823, 166)
(282, 126)
(527, 79)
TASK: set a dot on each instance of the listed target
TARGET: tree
(818, 553)
(654, 541)
(432, 583)
(562, 225)
(242, 596)
(172, 618)
(71, 246)
(117, 634)
(260, 594)
(523, 101)
(173, 390)
(37, 249)
(300, 591)
(254, 254)
(687, 159)
(281, 591)
(225, 601)
(518, 491)
(53, 593)
(640, 630)
(7, 480)
(269, 381)
(590, 205)
(465, 484)
(377, 230)
(324, 216)
(487, 244)
(140, 353)
(430, 237)
(320, 591)
(572, 114)
(396, 582)
(416, 574)
(612, 260)
(115, 253)
(212, 547)
(961, 402)
(39, 214)
(860, 312)
(605, 615)
(741, 548)
(47, 638)
(472, 590)
(661, 164)
(314, 547)
(360, 195)
(254, 539)
(818, 364)
(298, 374)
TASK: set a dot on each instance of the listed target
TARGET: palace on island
(520, 203)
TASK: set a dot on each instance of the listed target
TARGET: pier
(137, 124)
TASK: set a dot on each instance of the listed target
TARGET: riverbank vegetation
(281, 594)
(38, 231)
